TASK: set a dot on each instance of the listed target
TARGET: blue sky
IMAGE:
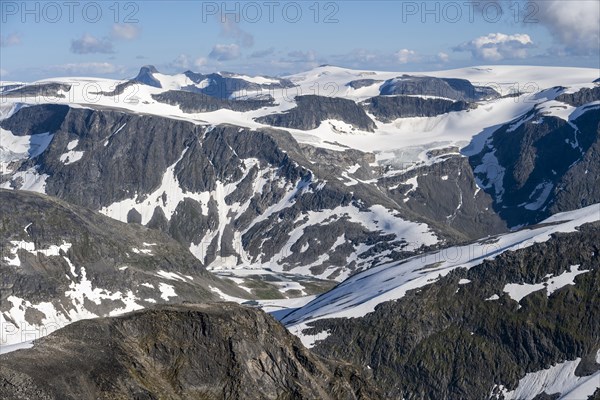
(113, 39)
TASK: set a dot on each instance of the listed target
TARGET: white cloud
(361, 58)
(12, 39)
(405, 56)
(364, 58)
(200, 62)
(90, 44)
(185, 62)
(498, 46)
(294, 61)
(231, 29)
(3, 73)
(574, 24)
(181, 62)
(125, 31)
(86, 68)
(225, 52)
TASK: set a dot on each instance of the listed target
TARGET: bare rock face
(191, 102)
(146, 77)
(43, 91)
(312, 110)
(540, 164)
(389, 108)
(238, 195)
(462, 206)
(226, 85)
(218, 351)
(214, 189)
(455, 89)
(361, 83)
(581, 97)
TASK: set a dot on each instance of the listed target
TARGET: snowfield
(401, 141)
(560, 379)
(533, 84)
(361, 293)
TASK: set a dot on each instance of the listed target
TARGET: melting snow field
(359, 294)
(16, 148)
(15, 330)
(558, 379)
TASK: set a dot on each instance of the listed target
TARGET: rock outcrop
(196, 352)
(389, 108)
(311, 110)
(449, 88)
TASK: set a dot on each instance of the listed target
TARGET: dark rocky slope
(581, 97)
(126, 156)
(83, 264)
(453, 341)
(311, 110)
(219, 351)
(447, 191)
(388, 108)
(239, 194)
(41, 91)
(449, 88)
(225, 85)
(190, 102)
(146, 76)
(360, 83)
(541, 164)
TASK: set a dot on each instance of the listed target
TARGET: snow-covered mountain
(362, 292)
(522, 309)
(366, 168)
(379, 215)
(62, 263)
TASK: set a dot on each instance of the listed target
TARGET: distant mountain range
(320, 196)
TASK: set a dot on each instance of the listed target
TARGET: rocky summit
(219, 351)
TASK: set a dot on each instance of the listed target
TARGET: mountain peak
(146, 76)
(149, 69)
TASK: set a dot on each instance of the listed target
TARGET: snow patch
(559, 378)
(174, 276)
(166, 291)
(226, 297)
(29, 247)
(518, 291)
